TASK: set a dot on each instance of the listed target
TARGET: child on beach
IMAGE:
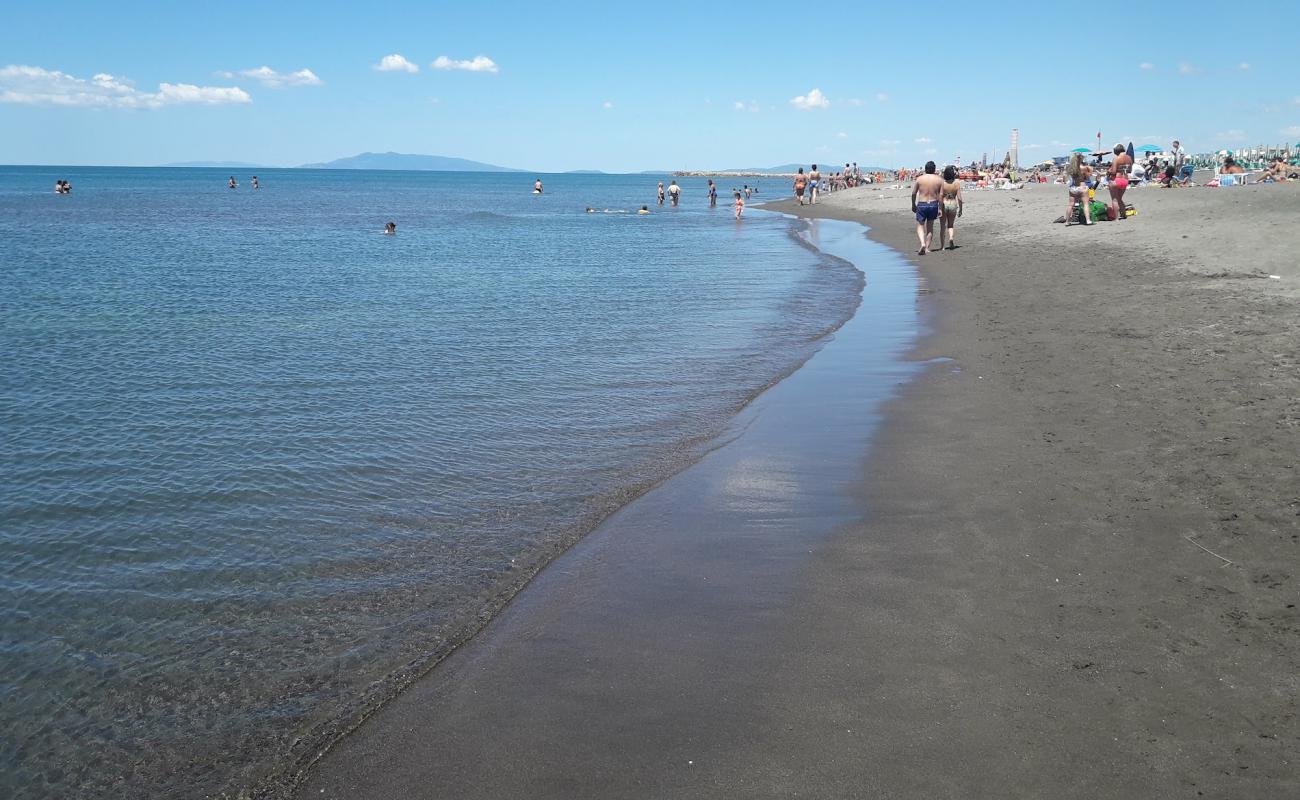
(740, 205)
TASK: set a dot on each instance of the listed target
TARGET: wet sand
(1067, 569)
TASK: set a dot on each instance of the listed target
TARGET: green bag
(1098, 210)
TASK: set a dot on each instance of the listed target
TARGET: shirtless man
(814, 185)
(675, 192)
(925, 204)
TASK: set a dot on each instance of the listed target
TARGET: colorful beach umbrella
(1081, 150)
(1149, 148)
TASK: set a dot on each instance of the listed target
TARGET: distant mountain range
(409, 161)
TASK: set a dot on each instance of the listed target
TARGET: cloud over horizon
(395, 63)
(475, 64)
(814, 99)
(277, 80)
(38, 86)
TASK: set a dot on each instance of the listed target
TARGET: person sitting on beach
(1277, 171)
(800, 183)
(1231, 167)
(1118, 173)
(925, 205)
(740, 205)
(1077, 185)
(952, 207)
(390, 228)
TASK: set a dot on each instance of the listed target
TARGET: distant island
(777, 171)
(409, 161)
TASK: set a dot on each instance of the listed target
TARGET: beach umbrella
(1081, 150)
(1148, 148)
(1130, 150)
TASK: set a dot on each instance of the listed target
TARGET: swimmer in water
(740, 205)
(644, 210)
(255, 183)
(537, 186)
(713, 194)
(390, 229)
(232, 183)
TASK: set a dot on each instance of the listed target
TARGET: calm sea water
(260, 465)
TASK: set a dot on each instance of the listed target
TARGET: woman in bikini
(951, 205)
(1118, 174)
(1077, 187)
(800, 183)
(740, 205)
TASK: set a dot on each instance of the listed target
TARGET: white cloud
(608, 104)
(1292, 132)
(882, 97)
(1231, 135)
(841, 135)
(924, 140)
(854, 101)
(1187, 69)
(752, 106)
(277, 80)
(396, 63)
(1146, 65)
(1243, 65)
(475, 64)
(37, 86)
(890, 142)
(814, 99)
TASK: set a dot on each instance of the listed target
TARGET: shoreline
(638, 594)
(1030, 594)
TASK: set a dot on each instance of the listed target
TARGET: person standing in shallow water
(661, 192)
(537, 186)
(925, 204)
(713, 194)
(740, 204)
(232, 183)
(675, 192)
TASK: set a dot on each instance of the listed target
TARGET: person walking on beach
(1077, 174)
(814, 183)
(740, 204)
(800, 183)
(925, 204)
(661, 192)
(713, 194)
(674, 192)
(952, 207)
(1118, 174)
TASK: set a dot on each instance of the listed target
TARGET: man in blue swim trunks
(925, 204)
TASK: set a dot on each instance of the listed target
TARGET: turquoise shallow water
(261, 464)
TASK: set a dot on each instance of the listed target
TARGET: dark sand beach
(1064, 567)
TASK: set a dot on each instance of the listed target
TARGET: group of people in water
(62, 187)
(234, 184)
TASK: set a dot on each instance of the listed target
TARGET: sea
(262, 465)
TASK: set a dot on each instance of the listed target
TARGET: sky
(626, 86)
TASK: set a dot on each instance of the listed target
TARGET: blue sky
(625, 86)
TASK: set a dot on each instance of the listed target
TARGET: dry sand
(1077, 577)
